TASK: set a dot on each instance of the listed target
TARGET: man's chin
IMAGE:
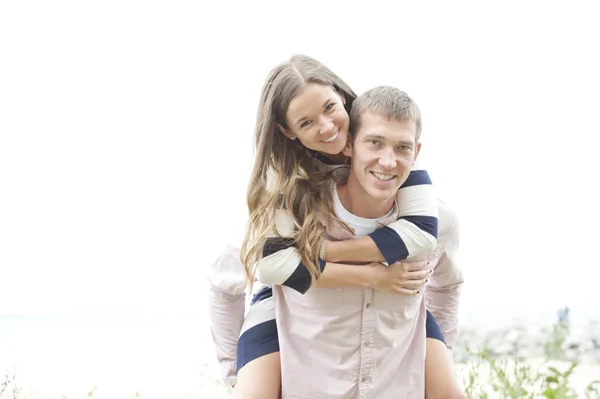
(382, 196)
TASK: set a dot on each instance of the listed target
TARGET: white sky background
(126, 139)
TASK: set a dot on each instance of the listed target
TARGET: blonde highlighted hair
(284, 176)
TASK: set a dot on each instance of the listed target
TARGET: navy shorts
(259, 332)
(432, 330)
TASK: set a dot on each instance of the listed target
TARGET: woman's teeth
(333, 137)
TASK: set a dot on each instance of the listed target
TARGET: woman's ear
(285, 132)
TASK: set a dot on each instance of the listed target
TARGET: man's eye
(375, 142)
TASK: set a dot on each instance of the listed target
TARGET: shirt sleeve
(281, 263)
(415, 231)
(442, 294)
(226, 308)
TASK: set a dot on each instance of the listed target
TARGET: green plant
(554, 346)
(8, 386)
(489, 375)
(592, 391)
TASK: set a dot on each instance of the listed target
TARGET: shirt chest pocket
(324, 300)
(400, 308)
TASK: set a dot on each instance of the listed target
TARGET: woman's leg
(258, 365)
(259, 379)
(439, 373)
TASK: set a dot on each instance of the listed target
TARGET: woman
(301, 130)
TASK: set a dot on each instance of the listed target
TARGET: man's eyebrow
(374, 136)
(306, 117)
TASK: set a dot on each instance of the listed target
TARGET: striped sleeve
(415, 231)
(281, 263)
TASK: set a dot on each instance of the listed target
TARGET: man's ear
(348, 150)
(417, 151)
(285, 132)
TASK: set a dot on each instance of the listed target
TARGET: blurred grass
(484, 374)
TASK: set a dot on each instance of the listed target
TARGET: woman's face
(318, 119)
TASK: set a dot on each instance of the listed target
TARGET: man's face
(383, 154)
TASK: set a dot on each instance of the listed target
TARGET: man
(358, 342)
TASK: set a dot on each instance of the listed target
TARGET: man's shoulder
(448, 223)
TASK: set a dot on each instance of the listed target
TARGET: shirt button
(368, 305)
(367, 343)
(363, 379)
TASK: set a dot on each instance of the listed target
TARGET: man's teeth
(329, 140)
(381, 176)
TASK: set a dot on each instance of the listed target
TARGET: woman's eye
(304, 124)
(329, 107)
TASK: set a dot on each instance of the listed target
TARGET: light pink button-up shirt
(312, 361)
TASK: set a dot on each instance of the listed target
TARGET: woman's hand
(404, 278)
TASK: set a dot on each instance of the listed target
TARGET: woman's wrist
(329, 252)
(373, 275)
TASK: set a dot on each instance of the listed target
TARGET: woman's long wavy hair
(284, 175)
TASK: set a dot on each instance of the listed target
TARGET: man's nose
(387, 159)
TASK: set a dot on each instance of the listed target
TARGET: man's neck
(356, 201)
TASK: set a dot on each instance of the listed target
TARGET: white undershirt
(361, 226)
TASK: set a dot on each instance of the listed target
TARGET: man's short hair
(387, 101)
